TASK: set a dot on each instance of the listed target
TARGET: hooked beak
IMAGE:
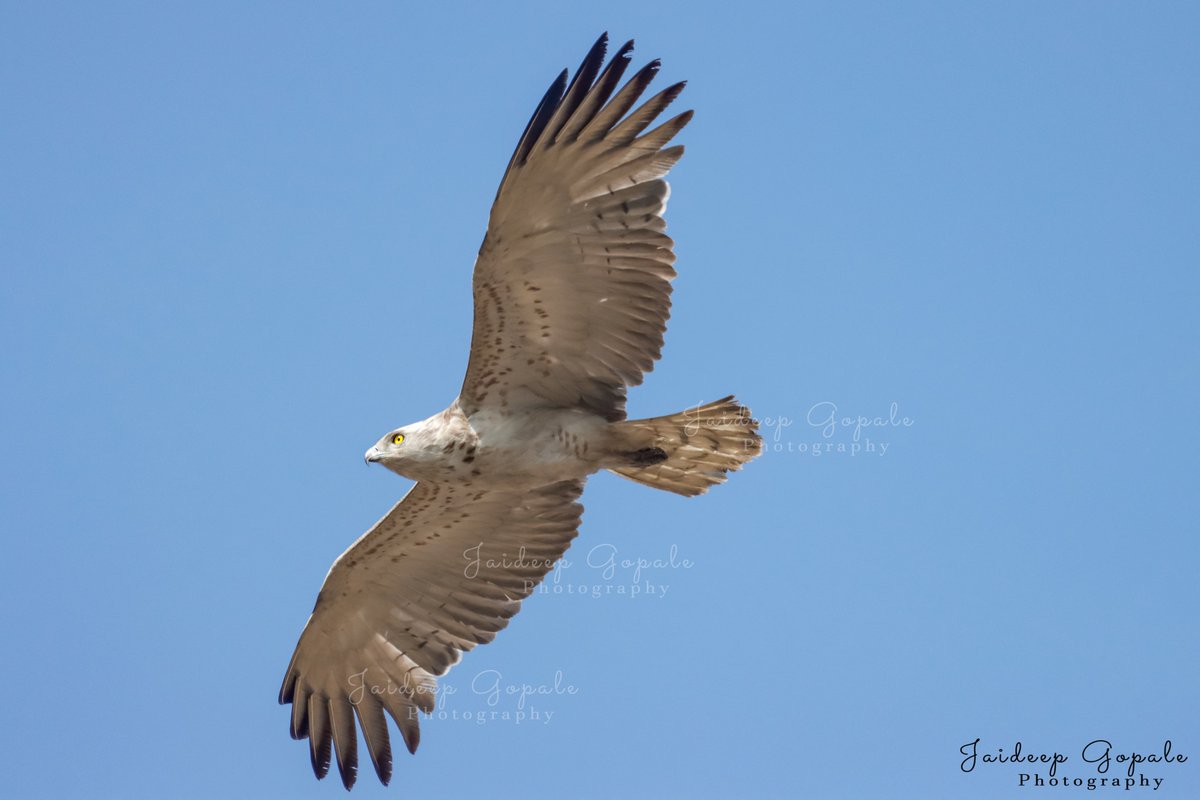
(372, 455)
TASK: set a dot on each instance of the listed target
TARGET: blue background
(237, 244)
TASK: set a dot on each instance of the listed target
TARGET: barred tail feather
(701, 445)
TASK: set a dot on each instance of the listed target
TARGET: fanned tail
(688, 452)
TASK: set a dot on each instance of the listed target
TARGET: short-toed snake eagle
(572, 290)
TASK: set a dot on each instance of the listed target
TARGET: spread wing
(442, 572)
(572, 284)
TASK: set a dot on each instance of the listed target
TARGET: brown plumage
(572, 293)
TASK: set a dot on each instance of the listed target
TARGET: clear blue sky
(236, 249)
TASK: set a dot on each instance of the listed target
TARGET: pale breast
(537, 446)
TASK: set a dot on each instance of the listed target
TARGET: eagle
(572, 289)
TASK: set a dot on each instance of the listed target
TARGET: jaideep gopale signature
(833, 431)
(504, 701)
(1097, 753)
(824, 416)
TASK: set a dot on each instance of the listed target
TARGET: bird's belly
(539, 447)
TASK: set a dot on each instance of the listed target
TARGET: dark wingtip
(595, 53)
(624, 53)
(319, 751)
(541, 116)
(383, 764)
(645, 75)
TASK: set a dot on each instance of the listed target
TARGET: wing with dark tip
(573, 282)
(444, 571)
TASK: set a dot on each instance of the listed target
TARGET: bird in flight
(572, 291)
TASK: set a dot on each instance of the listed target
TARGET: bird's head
(416, 451)
(400, 450)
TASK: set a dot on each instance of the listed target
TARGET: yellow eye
(398, 438)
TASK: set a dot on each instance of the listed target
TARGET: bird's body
(572, 293)
(517, 448)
